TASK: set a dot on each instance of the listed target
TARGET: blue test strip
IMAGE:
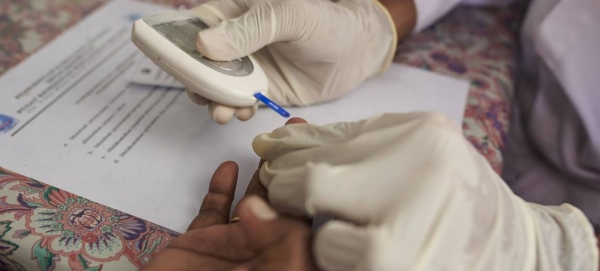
(272, 105)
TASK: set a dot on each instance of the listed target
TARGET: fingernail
(261, 209)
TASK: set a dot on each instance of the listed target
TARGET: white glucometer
(169, 40)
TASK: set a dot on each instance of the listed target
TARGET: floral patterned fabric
(42, 227)
(45, 228)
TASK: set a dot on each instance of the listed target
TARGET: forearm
(404, 15)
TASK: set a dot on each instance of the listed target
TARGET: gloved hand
(410, 193)
(315, 50)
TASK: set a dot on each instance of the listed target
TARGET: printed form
(70, 117)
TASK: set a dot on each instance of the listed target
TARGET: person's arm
(404, 15)
(415, 15)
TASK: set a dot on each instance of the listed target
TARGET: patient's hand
(261, 239)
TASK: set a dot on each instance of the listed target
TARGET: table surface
(45, 228)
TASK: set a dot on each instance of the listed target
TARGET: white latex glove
(410, 193)
(315, 50)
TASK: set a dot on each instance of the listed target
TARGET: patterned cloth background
(45, 228)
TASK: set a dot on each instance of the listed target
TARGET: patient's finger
(296, 120)
(255, 187)
(217, 203)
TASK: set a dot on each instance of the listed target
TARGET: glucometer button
(233, 65)
(210, 62)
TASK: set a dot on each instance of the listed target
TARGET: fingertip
(245, 113)
(295, 120)
(221, 113)
(229, 165)
(258, 145)
(216, 204)
(225, 173)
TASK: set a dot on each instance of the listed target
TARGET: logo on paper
(6, 123)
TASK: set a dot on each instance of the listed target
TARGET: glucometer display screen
(183, 33)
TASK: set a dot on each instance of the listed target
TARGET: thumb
(262, 224)
(239, 37)
(340, 245)
(259, 221)
(215, 11)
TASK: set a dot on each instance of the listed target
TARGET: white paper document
(70, 117)
(147, 73)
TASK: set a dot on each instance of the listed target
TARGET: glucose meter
(169, 40)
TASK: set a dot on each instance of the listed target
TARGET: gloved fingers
(196, 98)
(221, 113)
(356, 192)
(216, 11)
(329, 169)
(392, 127)
(340, 245)
(291, 138)
(245, 113)
(288, 190)
(263, 24)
